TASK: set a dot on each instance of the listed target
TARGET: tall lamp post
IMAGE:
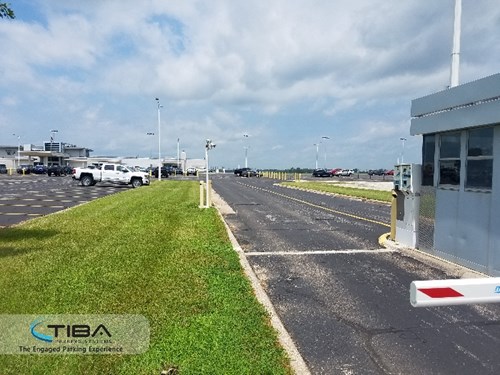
(325, 137)
(159, 139)
(403, 140)
(246, 151)
(317, 151)
(178, 155)
(208, 146)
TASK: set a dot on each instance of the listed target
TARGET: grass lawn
(378, 195)
(148, 251)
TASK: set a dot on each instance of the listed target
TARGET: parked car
(191, 171)
(390, 172)
(376, 172)
(336, 172)
(174, 170)
(56, 170)
(67, 169)
(24, 168)
(321, 173)
(3, 169)
(111, 173)
(239, 171)
(251, 173)
(40, 169)
(346, 172)
(164, 172)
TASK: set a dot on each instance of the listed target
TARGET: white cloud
(222, 68)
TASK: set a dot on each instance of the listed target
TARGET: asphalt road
(30, 196)
(345, 301)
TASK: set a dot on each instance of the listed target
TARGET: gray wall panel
(494, 229)
(471, 92)
(473, 221)
(484, 114)
(445, 231)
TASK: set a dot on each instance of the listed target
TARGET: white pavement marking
(297, 363)
(315, 252)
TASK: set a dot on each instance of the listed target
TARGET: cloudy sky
(285, 72)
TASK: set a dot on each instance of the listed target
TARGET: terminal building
(459, 218)
(67, 154)
(49, 153)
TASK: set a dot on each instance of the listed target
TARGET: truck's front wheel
(87, 180)
(136, 182)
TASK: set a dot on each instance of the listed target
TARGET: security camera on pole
(209, 145)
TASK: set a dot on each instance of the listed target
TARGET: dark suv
(56, 170)
(40, 169)
(321, 173)
(241, 171)
(24, 169)
(376, 172)
(164, 172)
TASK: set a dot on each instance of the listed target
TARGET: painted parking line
(22, 199)
(30, 205)
(318, 206)
(19, 214)
(319, 252)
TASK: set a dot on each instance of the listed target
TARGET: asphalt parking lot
(30, 196)
(343, 300)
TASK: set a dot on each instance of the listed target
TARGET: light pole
(159, 139)
(403, 140)
(246, 151)
(208, 146)
(325, 137)
(317, 151)
(178, 155)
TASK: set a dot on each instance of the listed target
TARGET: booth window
(428, 147)
(479, 159)
(449, 159)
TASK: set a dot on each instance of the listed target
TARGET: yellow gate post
(394, 214)
(201, 194)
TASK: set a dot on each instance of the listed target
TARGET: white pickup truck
(111, 173)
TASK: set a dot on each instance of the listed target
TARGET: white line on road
(315, 252)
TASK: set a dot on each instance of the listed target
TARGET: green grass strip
(378, 195)
(148, 251)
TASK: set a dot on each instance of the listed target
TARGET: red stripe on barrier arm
(440, 292)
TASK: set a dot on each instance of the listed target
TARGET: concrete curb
(297, 363)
